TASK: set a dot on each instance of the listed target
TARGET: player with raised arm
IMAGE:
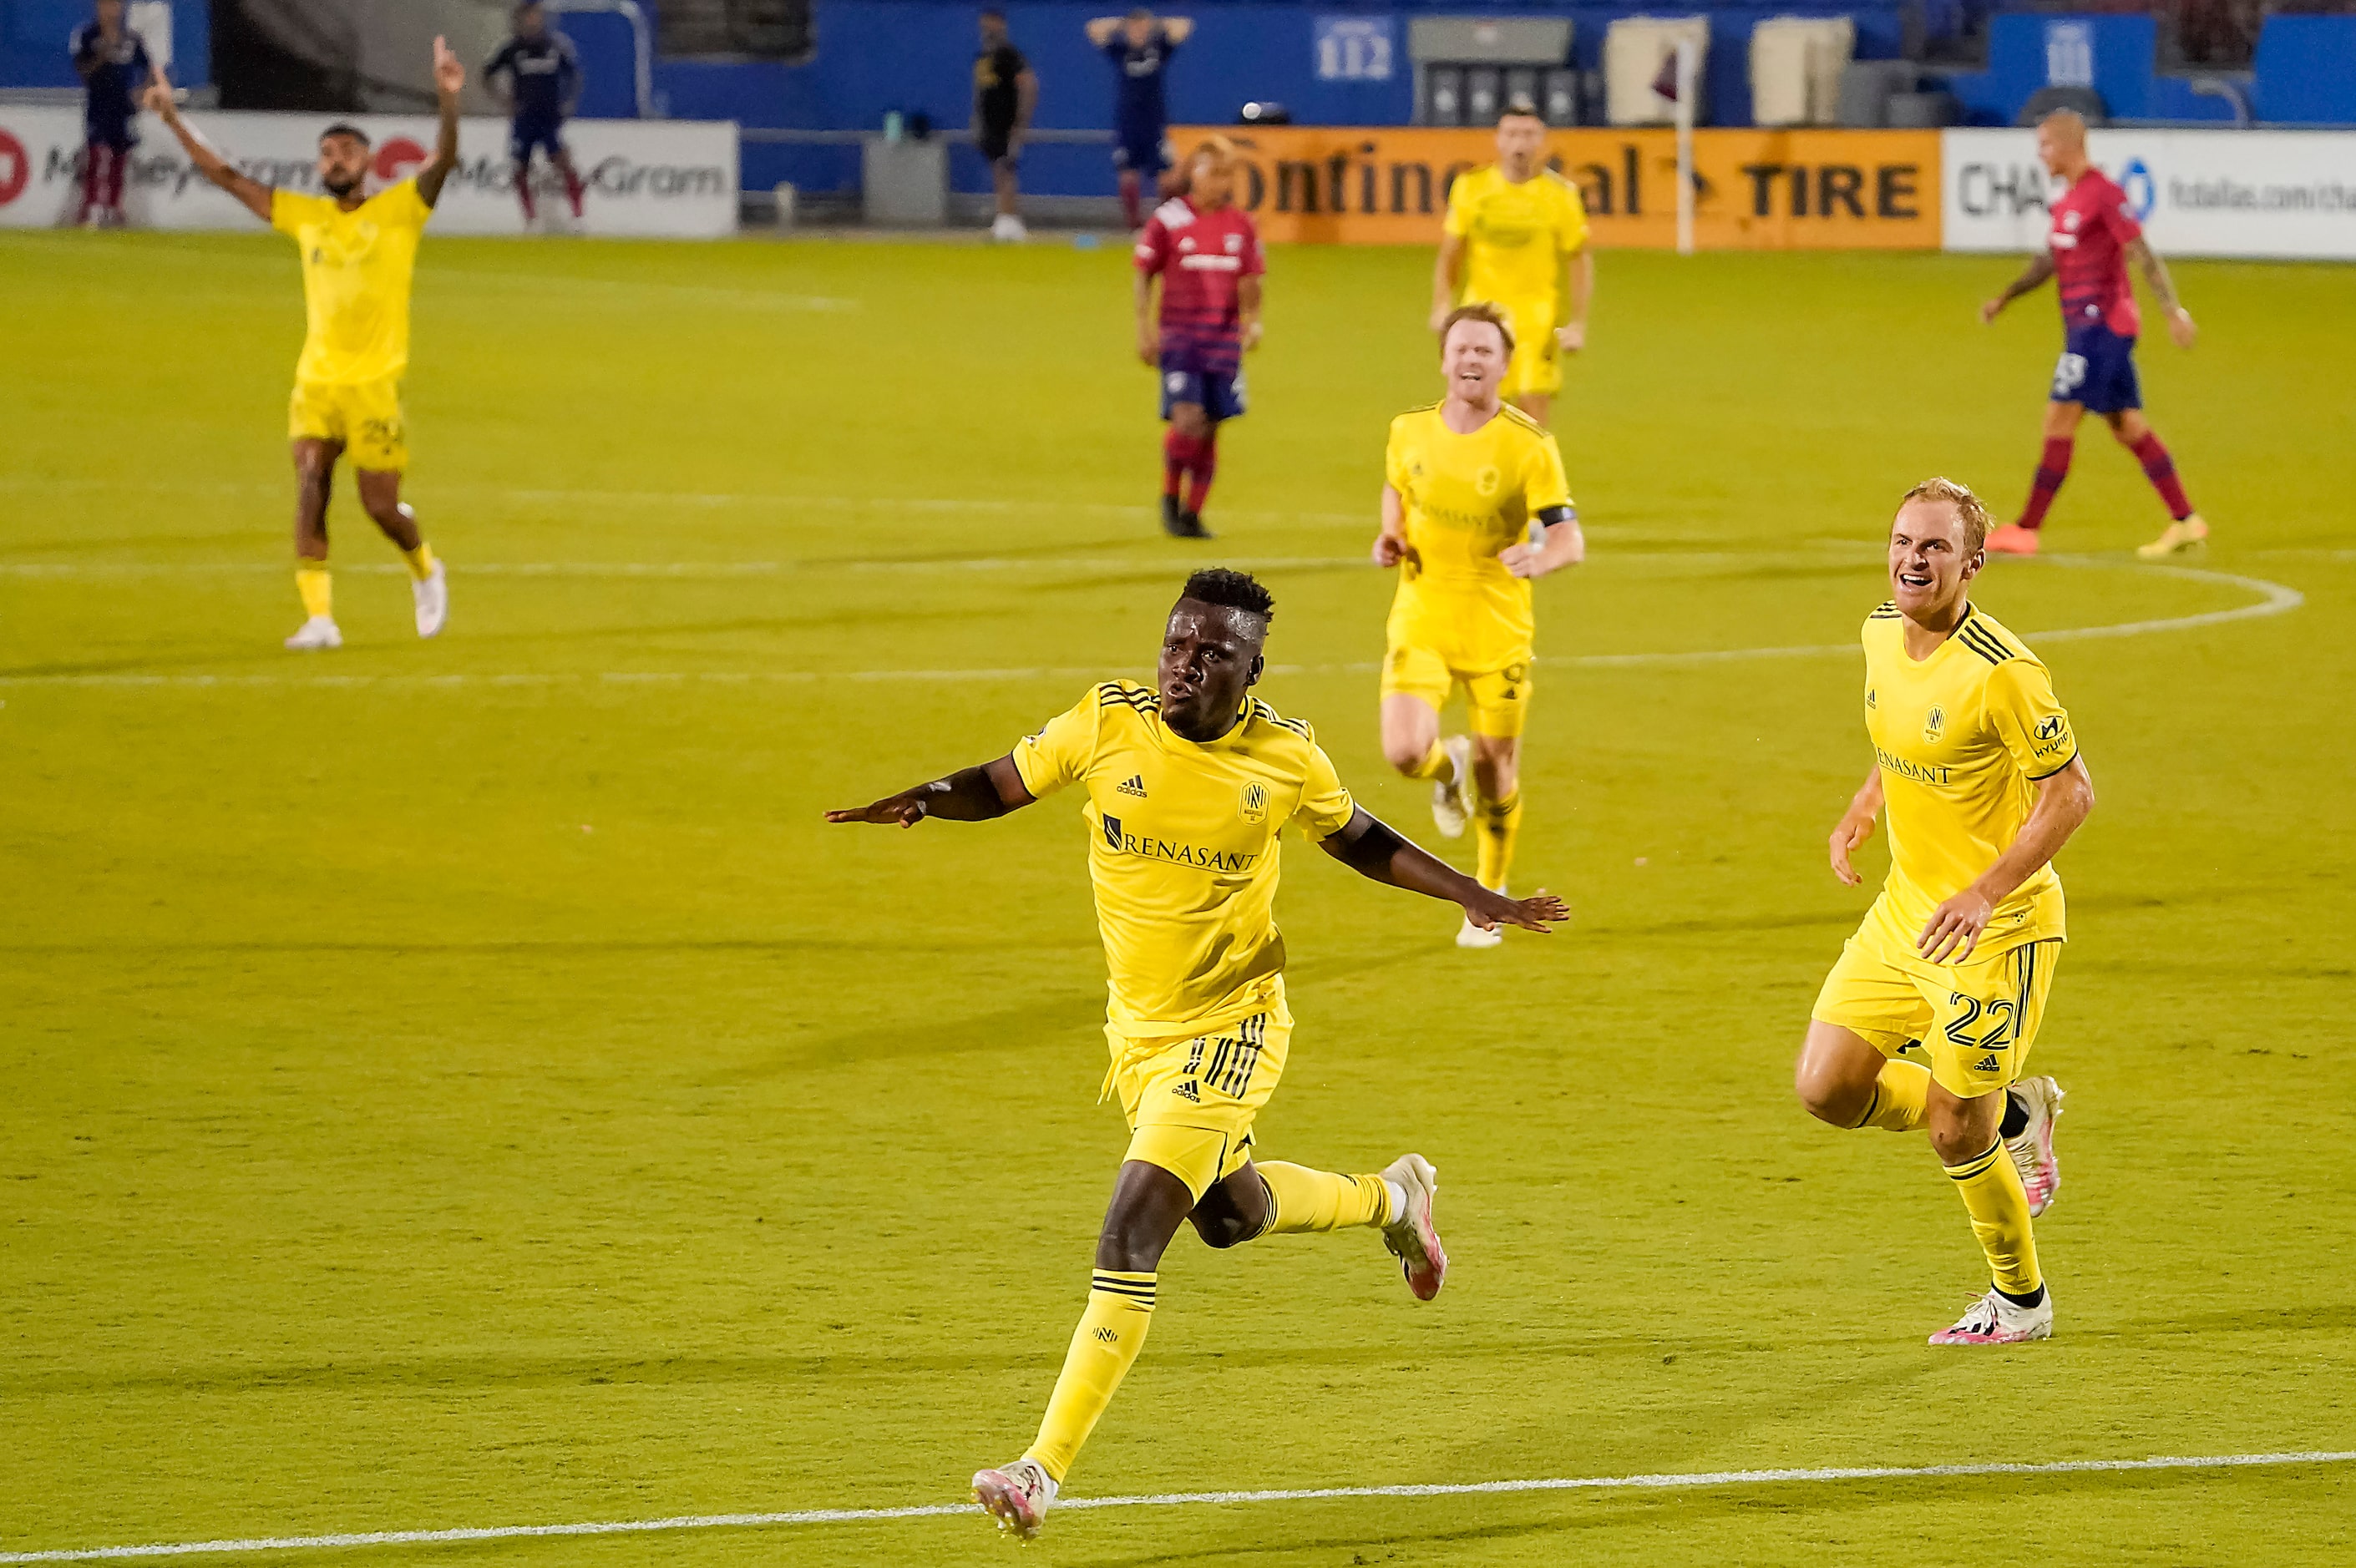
(1516, 237)
(1978, 767)
(113, 64)
(1205, 252)
(1188, 781)
(359, 252)
(541, 88)
(1005, 95)
(2091, 239)
(1475, 506)
(1140, 46)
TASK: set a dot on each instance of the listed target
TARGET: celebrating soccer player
(2088, 248)
(543, 84)
(1979, 768)
(357, 253)
(1475, 505)
(1140, 46)
(112, 62)
(1205, 251)
(1188, 781)
(1005, 91)
(1516, 231)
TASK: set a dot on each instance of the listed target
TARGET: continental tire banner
(1754, 189)
(644, 176)
(2198, 193)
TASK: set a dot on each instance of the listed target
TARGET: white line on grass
(2275, 600)
(1665, 1482)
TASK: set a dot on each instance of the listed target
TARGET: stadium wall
(661, 177)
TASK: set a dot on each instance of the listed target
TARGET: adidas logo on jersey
(1988, 1063)
(1188, 1093)
(1133, 784)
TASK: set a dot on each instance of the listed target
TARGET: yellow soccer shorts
(1191, 1103)
(1976, 1020)
(1496, 701)
(1537, 366)
(363, 417)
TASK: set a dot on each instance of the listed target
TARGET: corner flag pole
(1685, 147)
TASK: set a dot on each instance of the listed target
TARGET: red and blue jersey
(544, 74)
(2092, 229)
(1201, 256)
(114, 71)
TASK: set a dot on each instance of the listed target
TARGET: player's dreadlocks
(1232, 590)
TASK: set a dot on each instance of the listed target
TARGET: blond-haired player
(1475, 506)
(1515, 235)
(359, 252)
(1978, 768)
(1187, 782)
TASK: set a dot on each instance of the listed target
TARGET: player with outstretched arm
(359, 252)
(1188, 783)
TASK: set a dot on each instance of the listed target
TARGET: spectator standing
(112, 62)
(541, 90)
(1004, 94)
(1140, 46)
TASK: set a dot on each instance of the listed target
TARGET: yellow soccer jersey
(1468, 497)
(355, 272)
(1183, 849)
(1515, 235)
(1961, 737)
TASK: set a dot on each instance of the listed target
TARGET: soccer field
(463, 1084)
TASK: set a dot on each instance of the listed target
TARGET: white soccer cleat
(1472, 937)
(1992, 1320)
(1016, 1496)
(1007, 230)
(1451, 802)
(431, 594)
(1412, 1237)
(2178, 537)
(319, 631)
(2033, 1151)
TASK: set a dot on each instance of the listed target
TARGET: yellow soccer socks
(1435, 763)
(1111, 1332)
(1991, 1189)
(311, 581)
(1302, 1200)
(421, 561)
(1900, 1095)
(1495, 825)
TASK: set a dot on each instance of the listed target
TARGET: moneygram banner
(644, 176)
(1753, 189)
(2198, 193)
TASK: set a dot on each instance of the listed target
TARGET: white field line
(2275, 600)
(1672, 1481)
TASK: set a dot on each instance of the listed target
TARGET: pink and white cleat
(1016, 1496)
(2033, 1151)
(1412, 1237)
(1992, 1320)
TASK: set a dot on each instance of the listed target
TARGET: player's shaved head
(2062, 144)
(2065, 125)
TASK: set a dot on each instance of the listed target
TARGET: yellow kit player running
(1979, 768)
(1516, 233)
(357, 254)
(1188, 781)
(1475, 505)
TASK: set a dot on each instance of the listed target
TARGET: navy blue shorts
(2097, 368)
(1222, 397)
(1148, 152)
(527, 133)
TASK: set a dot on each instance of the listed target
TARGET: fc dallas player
(1207, 253)
(2092, 238)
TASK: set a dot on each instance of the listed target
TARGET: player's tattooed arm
(1369, 847)
(2163, 289)
(250, 192)
(969, 795)
(2032, 277)
(2064, 800)
(449, 76)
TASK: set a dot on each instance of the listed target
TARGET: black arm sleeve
(1551, 516)
(1369, 854)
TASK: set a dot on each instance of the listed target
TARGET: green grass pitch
(464, 1083)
